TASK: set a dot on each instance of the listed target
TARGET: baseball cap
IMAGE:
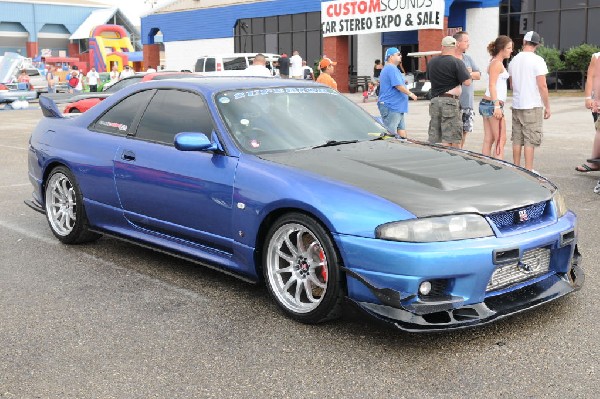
(448, 41)
(391, 51)
(325, 62)
(532, 37)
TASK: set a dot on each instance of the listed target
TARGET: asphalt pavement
(113, 320)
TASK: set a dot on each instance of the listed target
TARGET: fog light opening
(425, 288)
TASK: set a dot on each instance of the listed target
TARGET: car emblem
(523, 217)
(532, 265)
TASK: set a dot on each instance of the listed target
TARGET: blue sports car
(290, 183)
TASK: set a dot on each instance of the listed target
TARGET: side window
(119, 119)
(171, 112)
(234, 64)
(199, 65)
(209, 65)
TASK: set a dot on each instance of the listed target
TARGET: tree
(578, 58)
(552, 57)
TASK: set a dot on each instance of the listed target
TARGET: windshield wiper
(331, 143)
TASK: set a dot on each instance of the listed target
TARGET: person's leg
(501, 141)
(452, 127)
(529, 150)
(467, 119)
(401, 126)
(435, 118)
(517, 135)
(532, 134)
(488, 136)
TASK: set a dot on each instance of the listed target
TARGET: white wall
(183, 55)
(369, 50)
(483, 25)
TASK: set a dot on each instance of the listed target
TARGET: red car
(86, 101)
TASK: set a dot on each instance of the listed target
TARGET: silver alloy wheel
(297, 268)
(61, 204)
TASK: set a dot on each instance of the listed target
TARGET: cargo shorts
(445, 124)
(527, 126)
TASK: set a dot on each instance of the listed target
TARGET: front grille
(534, 262)
(516, 216)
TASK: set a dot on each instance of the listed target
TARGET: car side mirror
(194, 141)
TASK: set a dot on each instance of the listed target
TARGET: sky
(133, 9)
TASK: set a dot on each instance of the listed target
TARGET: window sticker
(116, 125)
(288, 90)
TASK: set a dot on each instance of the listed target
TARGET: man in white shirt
(126, 72)
(92, 79)
(296, 69)
(531, 104)
(258, 67)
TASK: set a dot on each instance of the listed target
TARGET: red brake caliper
(324, 267)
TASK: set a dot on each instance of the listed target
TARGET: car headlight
(444, 228)
(560, 204)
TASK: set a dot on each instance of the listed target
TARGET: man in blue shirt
(393, 94)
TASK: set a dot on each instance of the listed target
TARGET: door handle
(128, 155)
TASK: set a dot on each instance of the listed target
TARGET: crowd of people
(451, 109)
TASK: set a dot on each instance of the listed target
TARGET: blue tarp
(136, 56)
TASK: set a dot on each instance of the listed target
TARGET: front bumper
(449, 316)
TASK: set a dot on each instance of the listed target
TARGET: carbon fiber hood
(425, 180)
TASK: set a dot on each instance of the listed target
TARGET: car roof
(220, 83)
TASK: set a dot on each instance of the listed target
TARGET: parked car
(11, 66)
(224, 64)
(11, 92)
(291, 183)
(84, 101)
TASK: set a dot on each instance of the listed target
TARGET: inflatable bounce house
(110, 45)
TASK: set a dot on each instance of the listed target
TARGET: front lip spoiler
(491, 309)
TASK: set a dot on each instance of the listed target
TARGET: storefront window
(572, 30)
(281, 34)
(559, 27)
(547, 5)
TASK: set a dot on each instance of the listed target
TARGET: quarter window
(121, 117)
(171, 112)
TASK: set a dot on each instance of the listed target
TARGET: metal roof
(102, 17)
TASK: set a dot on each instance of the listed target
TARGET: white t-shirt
(296, 66)
(523, 70)
(126, 73)
(92, 77)
(258, 70)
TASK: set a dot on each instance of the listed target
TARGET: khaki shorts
(445, 124)
(527, 126)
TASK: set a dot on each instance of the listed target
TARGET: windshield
(293, 118)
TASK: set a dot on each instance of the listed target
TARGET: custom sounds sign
(353, 17)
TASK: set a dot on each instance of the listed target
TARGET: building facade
(55, 27)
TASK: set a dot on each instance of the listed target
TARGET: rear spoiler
(49, 108)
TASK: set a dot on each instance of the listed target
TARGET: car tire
(74, 111)
(64, 208)
(301, 269)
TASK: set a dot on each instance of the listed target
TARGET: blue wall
(34, 16)
(219, 22)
